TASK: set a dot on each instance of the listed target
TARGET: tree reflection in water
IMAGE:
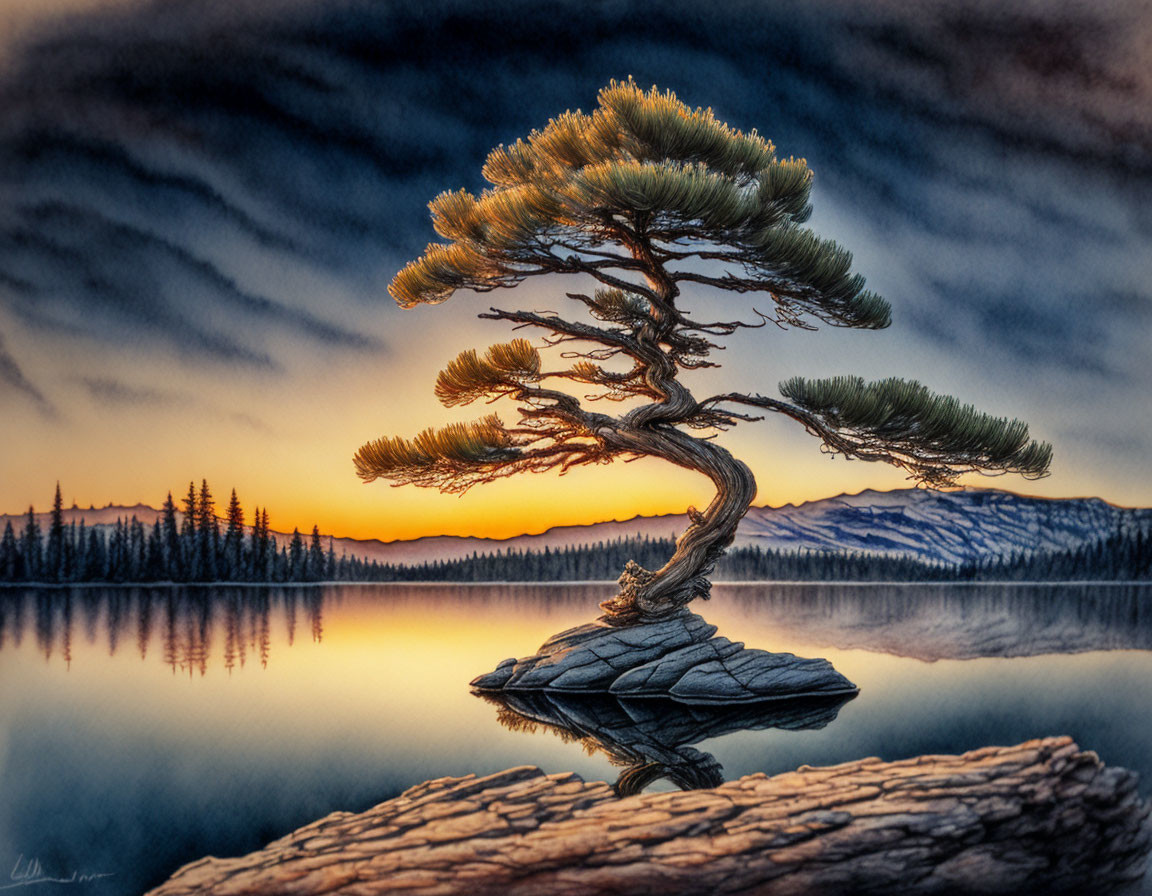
(197, 625)
(651, 738)
(190, 621)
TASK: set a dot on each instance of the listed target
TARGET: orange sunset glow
(246, 336)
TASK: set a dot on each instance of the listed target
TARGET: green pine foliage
(641, 154)
(935, 437)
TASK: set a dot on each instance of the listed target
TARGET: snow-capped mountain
(947, 526)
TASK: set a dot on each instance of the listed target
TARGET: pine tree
(116, 563)
(268, 548)
(70, 551)
(31, 549)
(315, 561)
(295, 571)
(189, 548)
(234, 540)
(648, 197)
(11, 566)
(81, 565)
(256, 549)
(97, 556)
(155, 568)
(54, 570)
(281, 570)
(207, 534)
(137, 550)
(170, 540)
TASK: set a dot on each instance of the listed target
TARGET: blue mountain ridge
(932, 525)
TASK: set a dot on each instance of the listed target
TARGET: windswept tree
(645, 198)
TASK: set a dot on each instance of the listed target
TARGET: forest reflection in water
(956, 621)
(190, 624)
(191, 627)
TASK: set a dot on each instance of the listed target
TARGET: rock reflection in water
(192, 623)
(652, 737)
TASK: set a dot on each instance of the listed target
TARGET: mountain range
(949, 527)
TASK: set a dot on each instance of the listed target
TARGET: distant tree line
(192, 545)
(586, 563)
(1124, 555)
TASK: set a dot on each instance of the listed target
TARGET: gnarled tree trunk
(647, 595)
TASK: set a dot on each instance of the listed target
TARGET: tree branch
(903, 442)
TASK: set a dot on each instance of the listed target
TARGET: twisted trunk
(647, 595)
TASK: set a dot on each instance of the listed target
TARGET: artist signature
(27, 872)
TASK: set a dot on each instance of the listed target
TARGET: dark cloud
(107, 391)
(110, 391)
(312, 133)
(1058, 77)
(12, 377)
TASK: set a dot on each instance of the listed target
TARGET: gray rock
(590, 657)
(754, 675)
(679, 658)
(497, 678)
(658, 676)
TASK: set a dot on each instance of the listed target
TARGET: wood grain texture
(1044, 816)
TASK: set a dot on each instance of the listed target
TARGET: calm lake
(142, 728)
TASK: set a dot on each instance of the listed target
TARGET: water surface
(141, 728)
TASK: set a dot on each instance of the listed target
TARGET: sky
(202, 204)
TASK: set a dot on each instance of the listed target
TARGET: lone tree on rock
(643, 197)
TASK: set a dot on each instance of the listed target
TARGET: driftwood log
(1044, 816)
